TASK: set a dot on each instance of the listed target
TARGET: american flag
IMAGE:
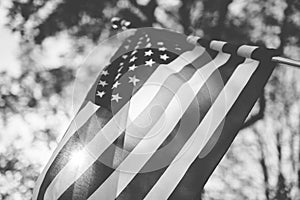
(158, 119)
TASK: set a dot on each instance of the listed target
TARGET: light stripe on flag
(168, 182)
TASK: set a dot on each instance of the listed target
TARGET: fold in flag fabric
(158, 119)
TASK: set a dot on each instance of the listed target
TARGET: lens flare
(77, 158)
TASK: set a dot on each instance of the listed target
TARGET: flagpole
(118, 23)
(286, 61)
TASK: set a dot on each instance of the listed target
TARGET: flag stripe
(112, 130)
(167, 183)
(80, 119)
(226, 68)
(184, 93)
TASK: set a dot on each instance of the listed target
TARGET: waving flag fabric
(158, 119)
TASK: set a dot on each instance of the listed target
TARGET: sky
(9, 48)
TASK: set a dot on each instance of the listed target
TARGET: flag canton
(138, 58)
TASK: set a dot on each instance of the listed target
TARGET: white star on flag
(164, 57)
(148, 45)
(133, 59)
(102, 83)
(132, 68)
(105, 73)
(116, 97)
(134, 52)
(118, 75)
(149, 62)
(133, 80)
(162, 49)
(120, 69)
(148, 53)
(116, 84)
(100, 94)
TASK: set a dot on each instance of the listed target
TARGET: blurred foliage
(19, 173)
(25, 92)
(274, 144)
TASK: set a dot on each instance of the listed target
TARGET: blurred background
(43, 43)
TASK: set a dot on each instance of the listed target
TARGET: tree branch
(262, 162)
(284, 26)
(222, 10)
(185, 18)
(259, 115)
(148, 10)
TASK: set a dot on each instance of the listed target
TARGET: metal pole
(286, 61)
